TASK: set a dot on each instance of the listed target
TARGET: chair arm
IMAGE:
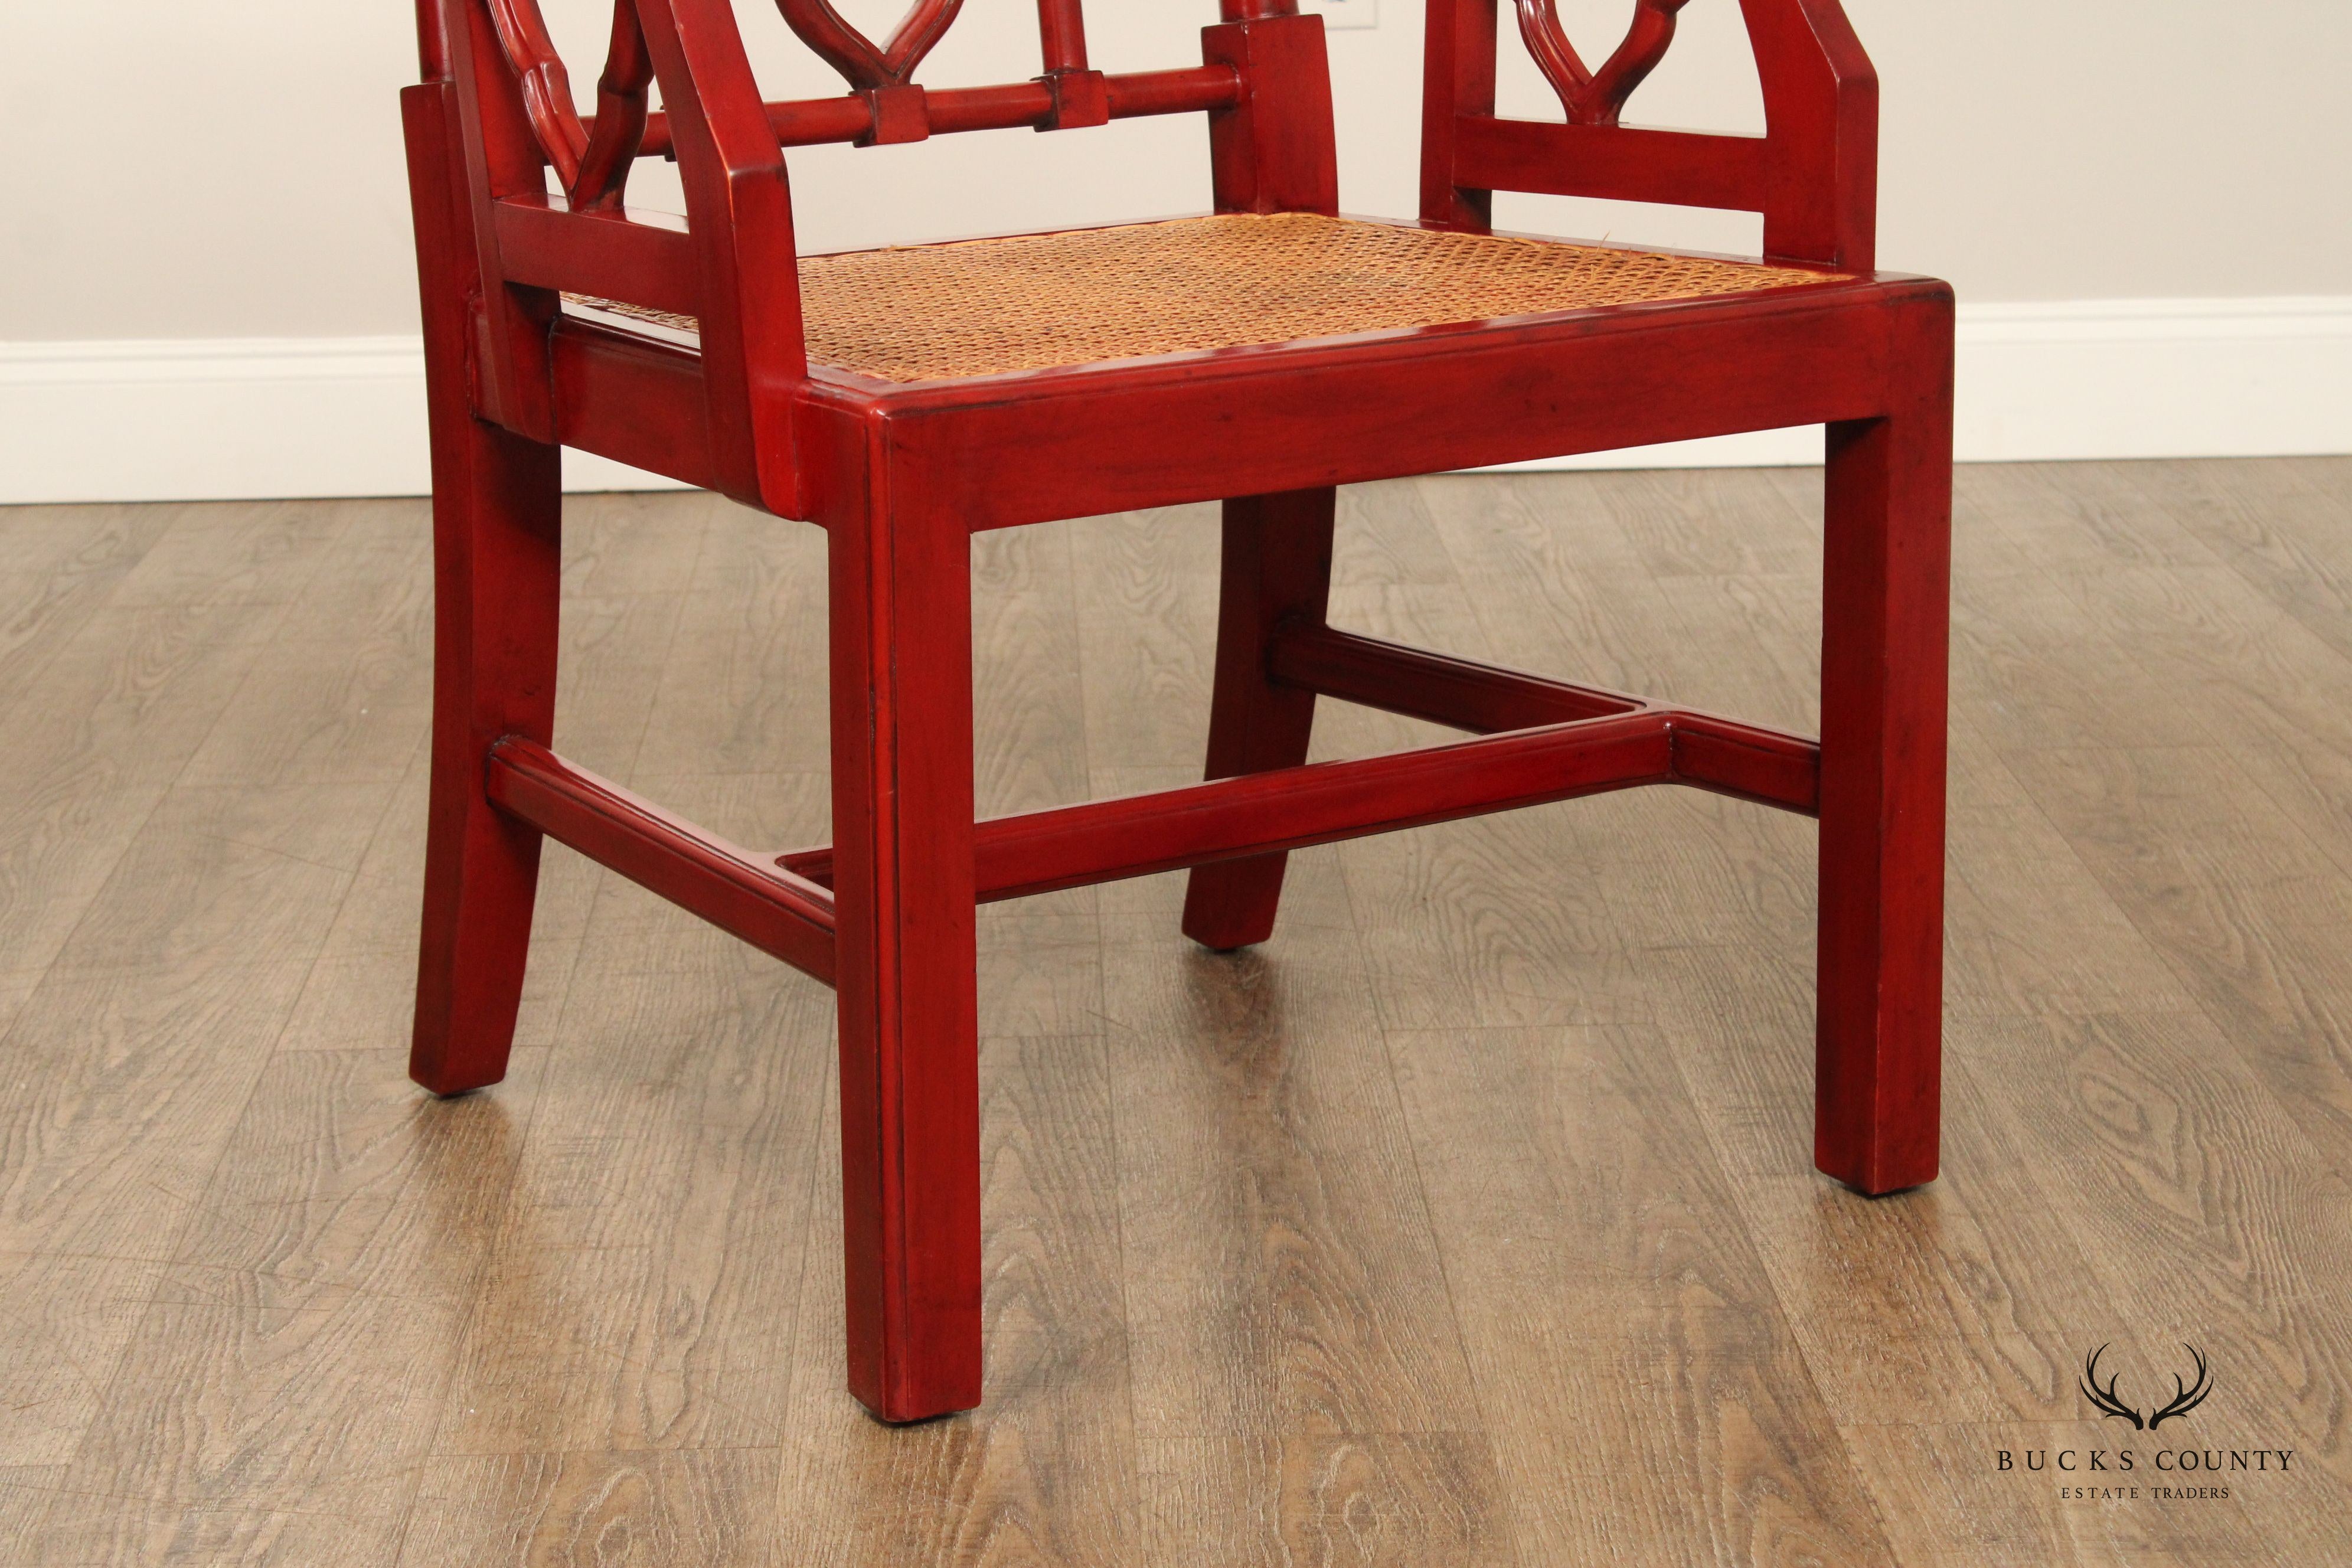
(1812, 174)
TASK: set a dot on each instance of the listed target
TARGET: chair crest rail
(592, 157)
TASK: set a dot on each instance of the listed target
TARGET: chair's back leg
(497, 501)
(1273, 153)
(1276, 568)
(904, 884)
(1885, 615)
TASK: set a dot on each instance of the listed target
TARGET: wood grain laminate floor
(1468, 1221)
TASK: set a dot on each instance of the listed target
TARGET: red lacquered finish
(901, 473)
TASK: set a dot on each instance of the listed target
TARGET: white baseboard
(228, 419)
(237, 418)
(2109, 378)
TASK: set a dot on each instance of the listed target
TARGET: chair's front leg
(1885, 613)
(1276, 566)
(902, 794)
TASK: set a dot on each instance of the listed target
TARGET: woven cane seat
(985, 307)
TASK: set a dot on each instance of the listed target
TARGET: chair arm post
(1274, 151)
(1820, 114)
(739, 212)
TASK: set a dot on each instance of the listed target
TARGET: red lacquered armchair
(1261, 356)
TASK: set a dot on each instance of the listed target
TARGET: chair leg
(1885, 602)
(904, 904)
(1276, 568)
(497, 554)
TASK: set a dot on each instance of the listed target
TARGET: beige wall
(2032, 151)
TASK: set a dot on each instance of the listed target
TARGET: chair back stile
(1263, 83)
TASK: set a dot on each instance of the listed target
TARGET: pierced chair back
(1263, 84)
